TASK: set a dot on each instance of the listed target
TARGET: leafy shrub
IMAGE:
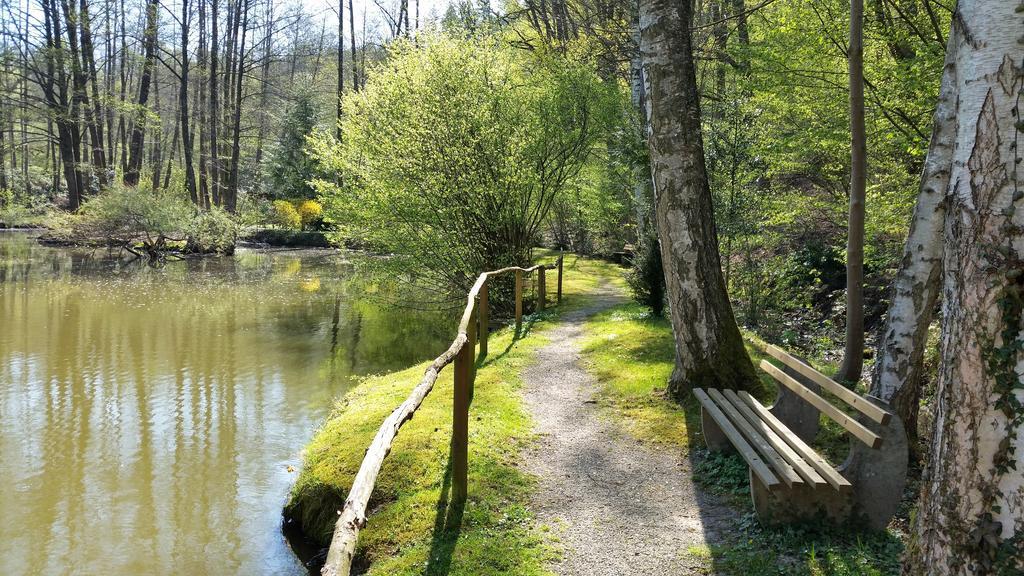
(285, 214)
(127, 215)
(310, 211)
(18, 212)
(647, 278)
(212, 231)
(455, 151)
(155, 221)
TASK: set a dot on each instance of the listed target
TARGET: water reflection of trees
(143, 412)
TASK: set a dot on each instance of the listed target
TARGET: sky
(328, 10)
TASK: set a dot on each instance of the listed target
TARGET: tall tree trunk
(174, 151)
(709, 347)
(24, 111)
(122, 130)
(853, 356)
(264, 95)
(156, 143)
(232, 194)
(109, 35)
(897, 377)
(352, 31)
(78, 97)
(131, 174)
(214, 108)
(642, 170)
(54, 85)
(204, 153)
(341, 64)
(95, 118)
(971, 516)
(186, 131)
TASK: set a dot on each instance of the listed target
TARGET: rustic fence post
(460, 417)
(560, 257)
(542, 289)
(485, 316)
(519, 300)
(471, 335)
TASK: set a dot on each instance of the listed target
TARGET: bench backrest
(851, 398)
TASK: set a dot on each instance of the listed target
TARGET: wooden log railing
(462, 352)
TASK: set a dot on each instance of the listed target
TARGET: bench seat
(789, 480)
(774, 453)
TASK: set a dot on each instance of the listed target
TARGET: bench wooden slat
(852, 426)
(846, 395)
(781, 468)
(830, 474)
(805, 470)
(753, 460)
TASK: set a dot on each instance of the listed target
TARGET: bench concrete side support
(800, 417)
(878, 475)
(714, 438)
(799, 503)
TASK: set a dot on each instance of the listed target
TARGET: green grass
(796, 551)
(411, 528)
(632, 355)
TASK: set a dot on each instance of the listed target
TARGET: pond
(151, 419)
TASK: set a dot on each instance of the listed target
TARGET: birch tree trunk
(971, 516)
(897, 377)
(709, 348)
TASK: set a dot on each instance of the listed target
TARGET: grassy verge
(632, 354)
(412, 529)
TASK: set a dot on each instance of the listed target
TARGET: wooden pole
(485, 317)
(471, 337)
(542, 289)
(519, 300)
(460, 422)
(560, 257)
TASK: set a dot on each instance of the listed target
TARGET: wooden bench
(789, 480)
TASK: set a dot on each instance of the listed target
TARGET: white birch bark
(971, 517)
(897, 373)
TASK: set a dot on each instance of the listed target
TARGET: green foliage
(455, 151)
(212, 230)
(801, 551)
(777, 139)
(157, 221)
(647, 277)
(722, 474)
(291, 169)
(285, 215)
(16, 211)
(127, 214)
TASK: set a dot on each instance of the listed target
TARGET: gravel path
(618, 506)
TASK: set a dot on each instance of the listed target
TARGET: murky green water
(148, 417)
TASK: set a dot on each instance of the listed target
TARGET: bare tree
(131, 174)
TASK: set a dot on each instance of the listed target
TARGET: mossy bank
(412, 529)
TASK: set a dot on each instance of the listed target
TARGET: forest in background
(212, 101)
